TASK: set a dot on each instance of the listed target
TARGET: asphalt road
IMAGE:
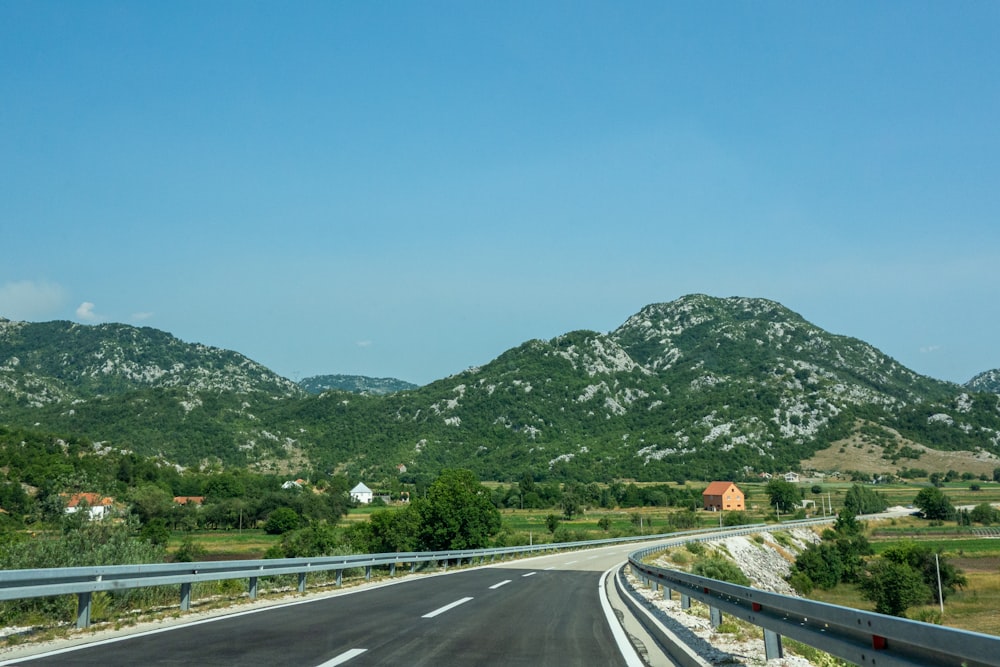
(541, 611)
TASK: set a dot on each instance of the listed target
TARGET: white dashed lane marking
(445, 608)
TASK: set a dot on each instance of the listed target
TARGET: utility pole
(937, 565)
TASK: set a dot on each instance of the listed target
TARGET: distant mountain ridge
(64, 359)
(985, 381)
(358, 384)
(698, 388)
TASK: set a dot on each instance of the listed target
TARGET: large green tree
(457, 513)
(934, 504)
(893, 587)
(863, 500)
(784, 496)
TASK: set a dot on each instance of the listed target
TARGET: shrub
(281, 521)
(801, 582)
(721, 569)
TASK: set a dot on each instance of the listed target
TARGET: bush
(189, 551)
(801, 582)
(822, 564)
(281, 521)
(88, 543)
(721, 569)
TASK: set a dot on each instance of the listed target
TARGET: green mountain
(698, 388)
(141, 389)
(986, 381)
(358, 384)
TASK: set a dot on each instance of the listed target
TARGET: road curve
(539, 611)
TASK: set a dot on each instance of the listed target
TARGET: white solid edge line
(343, 657)
(529, 574)
(632, 658)
(445, 608)
(502, 583)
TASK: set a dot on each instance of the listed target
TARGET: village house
(723, 496)
(197, 501)
(98, 506)
(792, 477)
(361, 494)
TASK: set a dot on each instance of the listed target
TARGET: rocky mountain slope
(698, 388)
(986, 381)
(357, 384)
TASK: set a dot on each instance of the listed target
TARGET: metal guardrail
(861, 637)
(85, 581)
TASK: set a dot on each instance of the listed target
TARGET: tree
(863, 500)
(151, 502)
(821, 563)
(784, 495)
(893, 587)
(985, 514)
(604, 523)
(281, 521)
(457, 513)
(570, 505)
(934, 504)
(552, 522)
(387, 531)
(928, 564)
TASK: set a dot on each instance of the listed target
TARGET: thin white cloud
(928, 349)
(141, 317)
(85, 312)
(29, 300)
(364, 343)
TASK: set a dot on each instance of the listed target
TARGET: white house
(98, 506)
(792, 477)
(361, 494)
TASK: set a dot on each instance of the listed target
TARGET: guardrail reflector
(879, 643)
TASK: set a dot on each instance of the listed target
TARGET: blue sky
(410, 188)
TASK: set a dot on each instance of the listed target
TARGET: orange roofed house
(723, 496)
(98, 506)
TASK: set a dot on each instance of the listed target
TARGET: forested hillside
(698, 388)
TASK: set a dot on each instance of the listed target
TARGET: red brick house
(723, 496)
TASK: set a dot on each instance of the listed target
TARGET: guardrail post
(445, 564)
(668, 593)
(715, 616)
(252, 590)
(685, 601)
(186, 596)
(413, 566)
(392, 569)
(368, 572)
(83, 610)
(772, 645)
(302, 582)
(340, 577)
